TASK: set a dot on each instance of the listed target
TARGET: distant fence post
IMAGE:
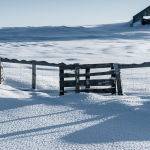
(77, 79)
(61, 79)
(33, 75)
(118, 78)
(113, 75)
(87, 78)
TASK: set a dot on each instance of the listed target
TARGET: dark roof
(139, 16)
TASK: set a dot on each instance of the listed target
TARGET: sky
(67, 12)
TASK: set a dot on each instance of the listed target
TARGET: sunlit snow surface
(43, 120)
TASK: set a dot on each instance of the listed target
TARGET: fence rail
(142, 65)
(40, 63)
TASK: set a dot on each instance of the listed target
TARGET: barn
(142, 16)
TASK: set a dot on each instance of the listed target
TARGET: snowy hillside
(41, 120)
(112, 31)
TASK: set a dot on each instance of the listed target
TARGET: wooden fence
(113, 83)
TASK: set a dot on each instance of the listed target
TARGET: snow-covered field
(43, 120)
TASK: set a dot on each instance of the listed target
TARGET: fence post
(61, 79)
(0, 71)
(113, 75)
(118, 78)
(77, 79)
(33, 75)
(87, 78)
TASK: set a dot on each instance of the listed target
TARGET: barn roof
(139, 16)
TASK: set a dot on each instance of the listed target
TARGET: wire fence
(19, 76)
(47, 78)
(136, 80)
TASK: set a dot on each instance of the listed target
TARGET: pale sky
(67, 12)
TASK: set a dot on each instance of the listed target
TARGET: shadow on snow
(129, 124)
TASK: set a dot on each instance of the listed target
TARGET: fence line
(72, 66)
(114, 81)
(33, 63)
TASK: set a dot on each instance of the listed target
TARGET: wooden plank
(77, 80)
(107, 90)
(87, 78)
(102, 73)
(71, 75)
(113, 75)
(118, 79)
(33, 76)
(99, 82)
(61, 80)
(84, 66)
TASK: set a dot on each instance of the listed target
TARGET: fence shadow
(120, 122)
(129, 126)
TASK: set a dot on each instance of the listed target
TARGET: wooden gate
(111, 83)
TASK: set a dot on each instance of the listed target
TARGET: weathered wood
(88, 83)
(33, 75)
(106, 90)
(118, 79)
(77, 80)
(102, 73)
(92, 90)
(87, 78)
(71, 75)
(61, 80)
(94, 82)
(85, 66)
(113, 75)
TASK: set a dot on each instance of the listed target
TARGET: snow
(43, 120)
